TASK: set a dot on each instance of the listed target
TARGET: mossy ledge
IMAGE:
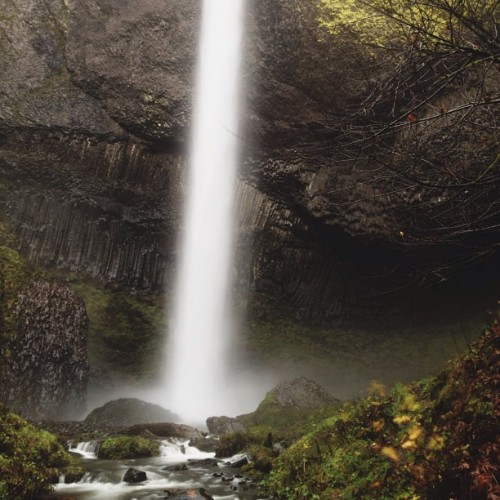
(31, 459)
(430, 440)
(125, 447)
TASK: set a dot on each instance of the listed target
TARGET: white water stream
(201, 322)
(104, 478)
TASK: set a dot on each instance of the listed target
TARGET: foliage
(435, 439)
(431, 24)
(287, 421)
(426, 125)
(31, 460)
(124, 327)
(123, 447)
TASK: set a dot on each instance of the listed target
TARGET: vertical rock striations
(49, 369)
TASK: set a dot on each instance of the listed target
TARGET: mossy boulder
(284, 409)
(31, 460)
(125, 447)
(125, 412)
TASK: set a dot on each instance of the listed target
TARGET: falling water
(201, 323)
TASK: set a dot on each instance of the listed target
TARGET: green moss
(125, 328)
(31, 460)
(433, 439)
(124, 447)
(288, 422)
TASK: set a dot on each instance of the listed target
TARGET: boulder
(163, 430)
(127, 412)
(207, 443)
(200, 494)
(134, 476)
(204, 462)
(224, 425)
(285, 405)
(302, 393)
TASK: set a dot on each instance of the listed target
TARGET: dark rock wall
(95, 105)
(108, 209)
(49, 368)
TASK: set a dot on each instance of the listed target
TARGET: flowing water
(201, 322)
(103, 478)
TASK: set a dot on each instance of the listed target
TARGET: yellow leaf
(435, 442)
(390, 452)
(409, 445)
(376, 389)
(415, 433)
(378, 425)
(403, 419)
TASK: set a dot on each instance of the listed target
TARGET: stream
(103, 479)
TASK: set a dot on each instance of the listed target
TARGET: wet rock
(302, 393)
(208, 444)
(127, 412)
(205, 462)
(224, 425)
(176, 468)
(200, 494)
(134, 476)
(164, 429)
(48, 369)
(239, 461)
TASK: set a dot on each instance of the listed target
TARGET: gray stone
(48, 368)
(134, 476)
(127, 412)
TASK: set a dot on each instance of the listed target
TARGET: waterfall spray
(201, 321)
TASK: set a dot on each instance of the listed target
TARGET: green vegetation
(271, 416)
(430, 440)
(437, 23)
(123, 447)
(31, 460)
(124, 327)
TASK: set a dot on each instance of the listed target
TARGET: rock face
(224, 425)
(48, 377)
(283, 406)
(164, 430)
(302, 393)
(128, 411)
(95, 104)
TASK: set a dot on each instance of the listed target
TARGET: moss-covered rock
(286, 409)
(125, 327)
(31, 460)
(124, 447)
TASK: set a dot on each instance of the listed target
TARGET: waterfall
(88, 449)
(201, 320)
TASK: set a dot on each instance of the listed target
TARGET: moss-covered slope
(31, 460)
(432, 440)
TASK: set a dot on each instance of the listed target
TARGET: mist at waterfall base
(201, 324)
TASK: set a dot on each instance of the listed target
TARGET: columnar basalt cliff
(48, 368)
(95, 105)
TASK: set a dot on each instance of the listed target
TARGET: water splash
(201, 323)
